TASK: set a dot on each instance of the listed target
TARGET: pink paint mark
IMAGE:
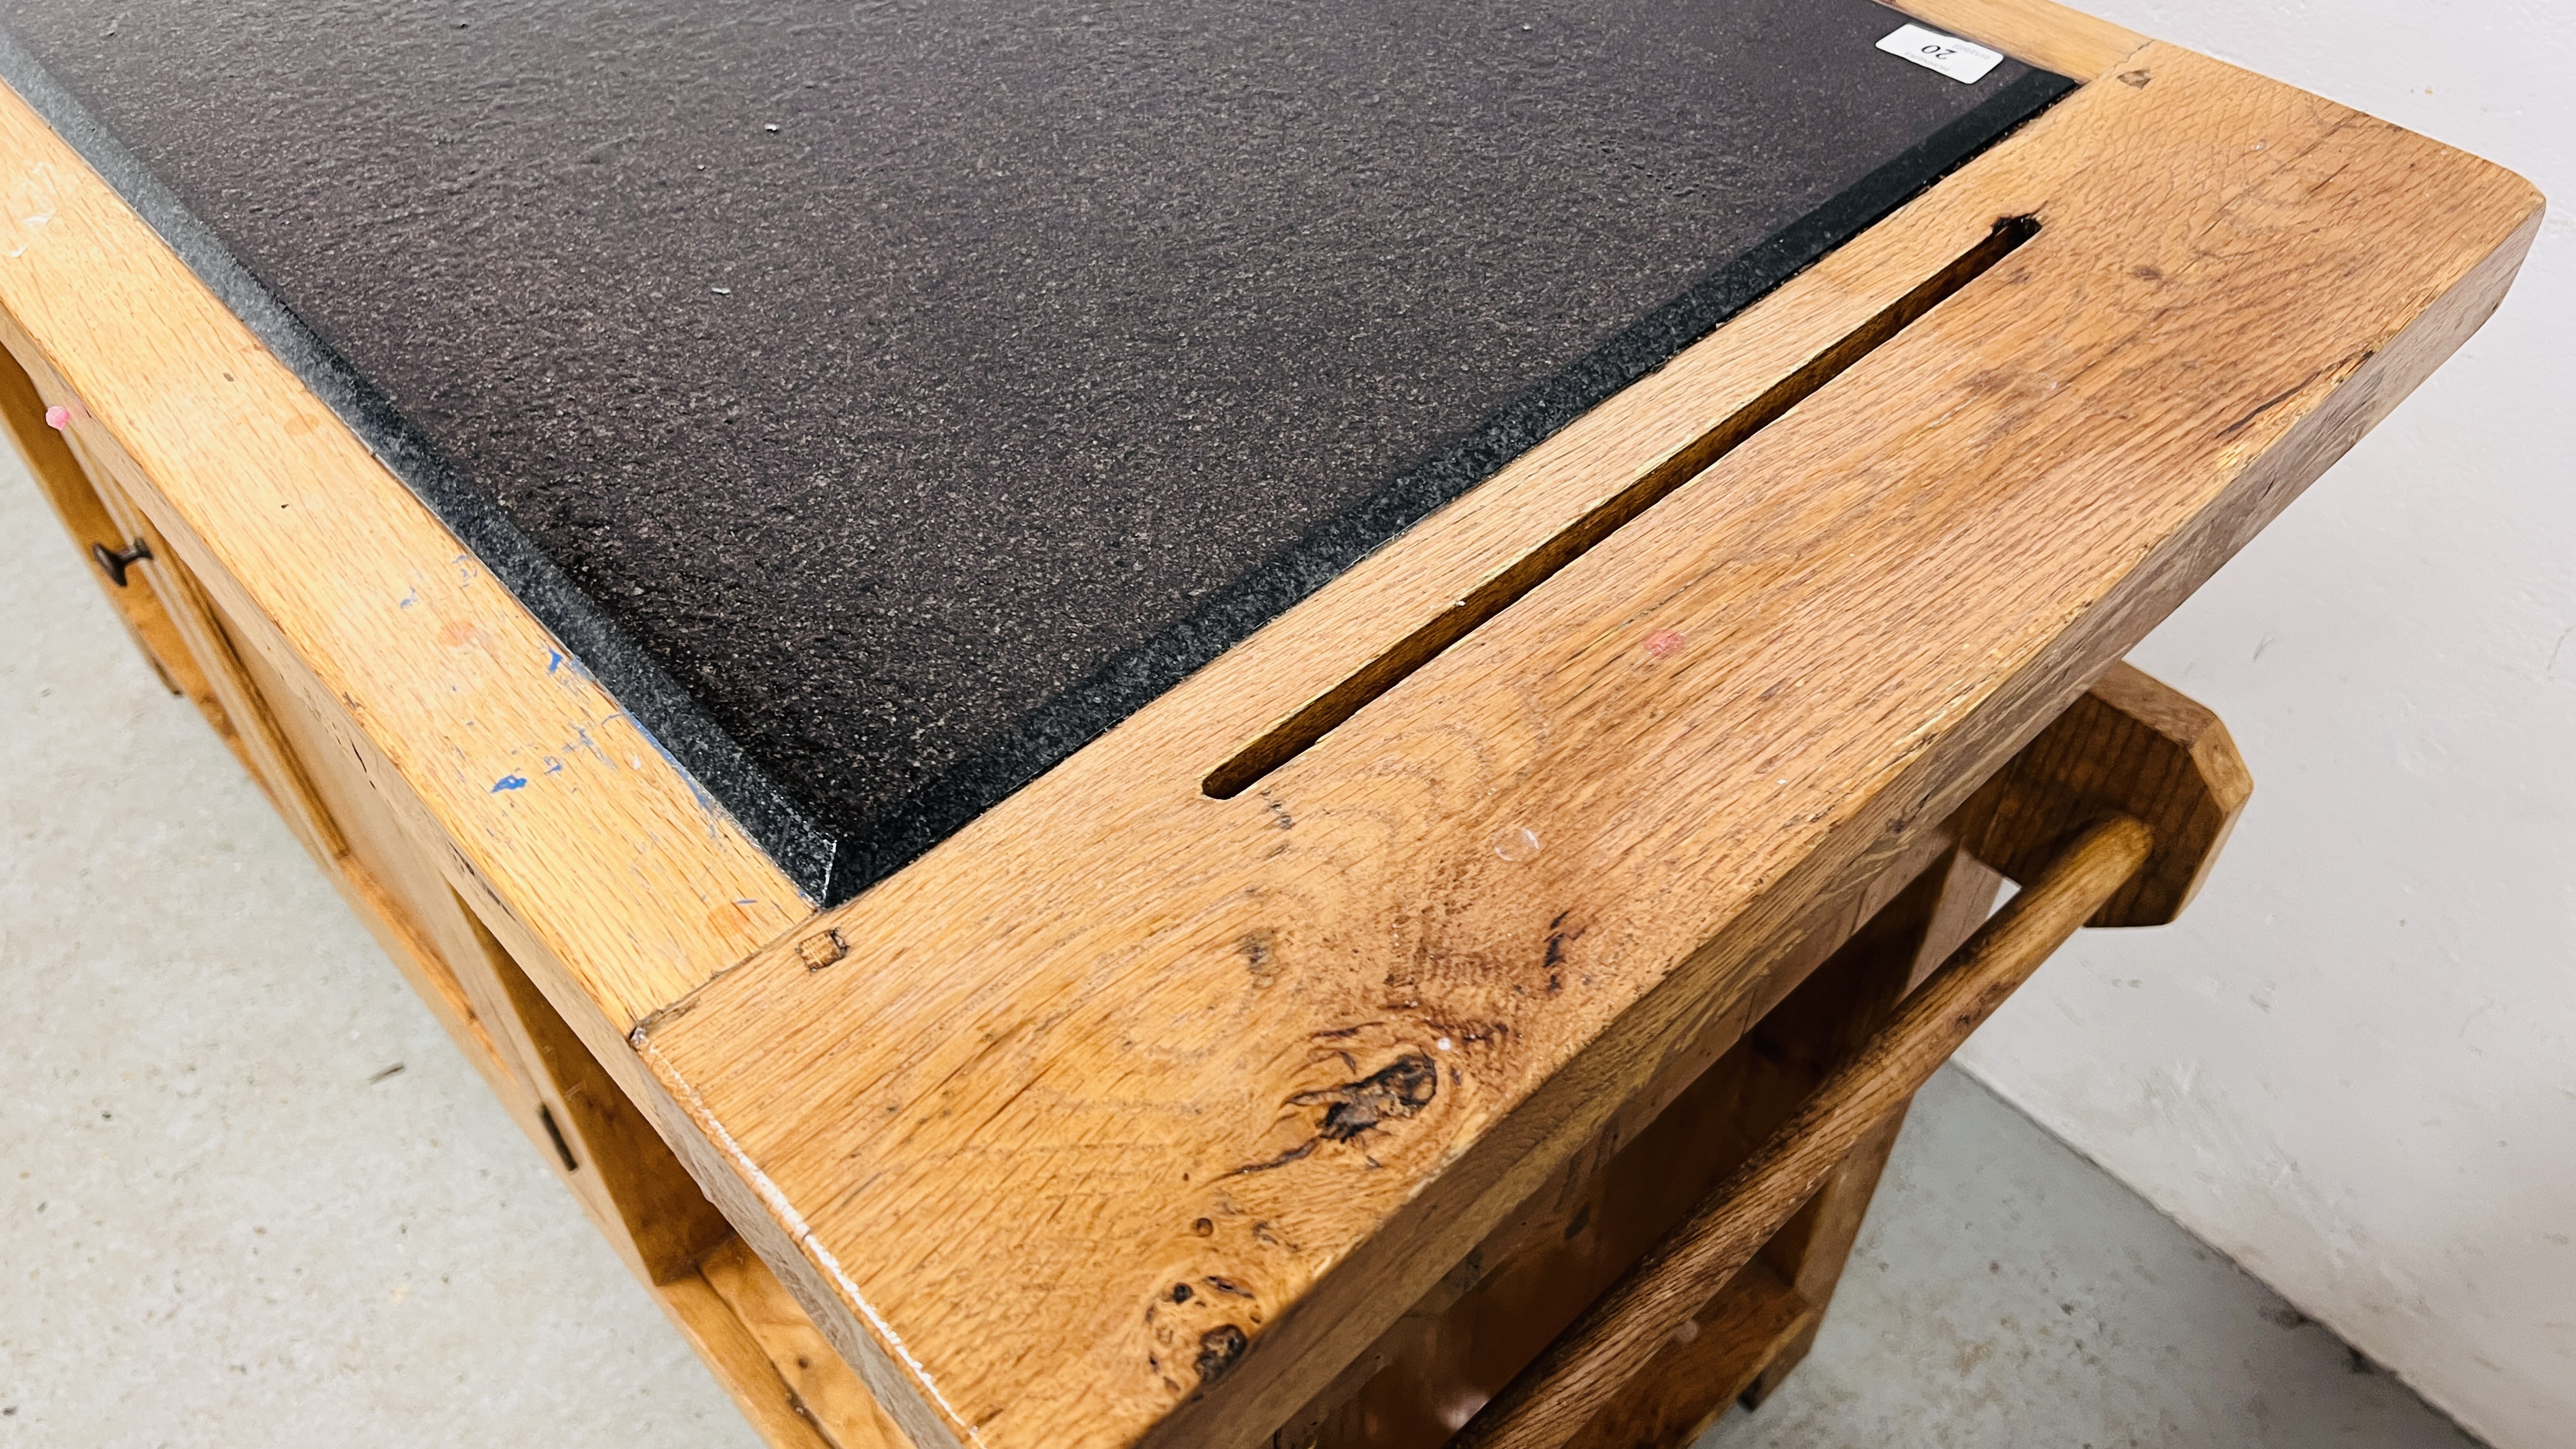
(1665, 643)
(58, 417)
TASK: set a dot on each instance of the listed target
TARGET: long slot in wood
(1300, 731)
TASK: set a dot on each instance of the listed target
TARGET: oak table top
(1293, 975)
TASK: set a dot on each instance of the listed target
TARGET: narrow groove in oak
(1300, 731)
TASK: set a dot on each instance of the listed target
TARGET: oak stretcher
(1302, 1058)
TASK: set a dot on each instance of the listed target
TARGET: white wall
(2352, 1065)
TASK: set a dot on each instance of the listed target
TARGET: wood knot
(819, 951)
(1219, 1347)
(2136, 80)
(1392, 1092)
(1260, 955)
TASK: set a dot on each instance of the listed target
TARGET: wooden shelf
(769, 1355)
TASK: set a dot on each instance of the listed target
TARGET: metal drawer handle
(115, 564)
(1621, 1333)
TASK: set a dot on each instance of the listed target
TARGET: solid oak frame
(685, 963)
(1588, 1369)
(1162, 1011)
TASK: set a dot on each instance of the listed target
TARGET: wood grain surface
(2045, 34)
(741, 1363)
(1315, 1040)
(1702, 1369)
(86, 517)
(2133, 745)
(1584, 1371)
(1530, 1278)
(562, 808)
(2132, 751)
(831, 1397)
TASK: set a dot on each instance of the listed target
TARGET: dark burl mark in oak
(1390, 1093)
(1219, 1347)
(1356, 1107)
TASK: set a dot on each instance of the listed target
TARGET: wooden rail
(1580, 1373)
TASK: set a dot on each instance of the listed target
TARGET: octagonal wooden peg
(2132, 745)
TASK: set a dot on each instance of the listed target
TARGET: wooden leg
(1810, 1252)
(1826, 1230)
(2131, 745)
(650, 1207)
(1495, 1313)
(1754, 1320)
(1587, 1369)
(1749, 1338)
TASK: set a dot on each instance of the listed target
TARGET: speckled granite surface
(886, 398)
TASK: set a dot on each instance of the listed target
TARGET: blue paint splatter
(553, 765)
(554, 660)
(411, 598)
(509, 782)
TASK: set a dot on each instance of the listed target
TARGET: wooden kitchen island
(1109, 763)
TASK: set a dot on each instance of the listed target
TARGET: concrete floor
(2005, 1291)
(250, 1196)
